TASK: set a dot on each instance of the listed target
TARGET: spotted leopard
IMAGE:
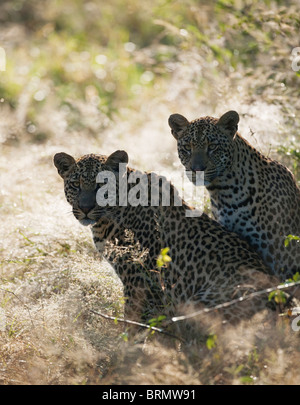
(114, 243)
(251, 194)
(209, 265)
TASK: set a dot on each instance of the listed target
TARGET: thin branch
(142, 325)
(200, 312)
(235, 301)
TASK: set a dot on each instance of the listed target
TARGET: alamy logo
(2, 59)
(296, 59)
(134, 190)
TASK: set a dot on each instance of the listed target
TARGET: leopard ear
(113, 160)
(229, 122)
(63, 163)
(178, 124)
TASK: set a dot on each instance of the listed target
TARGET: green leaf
(296, 277)
(271, 295)
(164, 251)
(154, 322)
(211, 341)
(247, 379)
(289, 238)
(163, 258)
(278, 296)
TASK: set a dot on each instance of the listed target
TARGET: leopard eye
(188, 147)
(212, 147)
(76, 184)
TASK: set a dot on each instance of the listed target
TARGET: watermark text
(296, 59)
(139, 188)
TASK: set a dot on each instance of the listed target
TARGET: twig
(235, 301)
(200, 312)
(143, 325)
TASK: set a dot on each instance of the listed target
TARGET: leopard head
(80, 181)
(205, 144)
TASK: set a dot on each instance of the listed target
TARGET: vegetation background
(95, 76)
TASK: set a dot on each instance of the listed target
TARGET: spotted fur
(142, 291)
(252, 195)
(209, 265)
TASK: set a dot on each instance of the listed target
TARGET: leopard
(114, 243)
(208, 265)
(250, 194)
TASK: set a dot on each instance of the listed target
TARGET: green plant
(289, 238)
(211, 341)
(163, 258)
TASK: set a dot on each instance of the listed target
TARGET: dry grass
(50, 274)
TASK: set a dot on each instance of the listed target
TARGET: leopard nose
(198, 162)
(198, 168)
(85, 209)
(86, 202)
